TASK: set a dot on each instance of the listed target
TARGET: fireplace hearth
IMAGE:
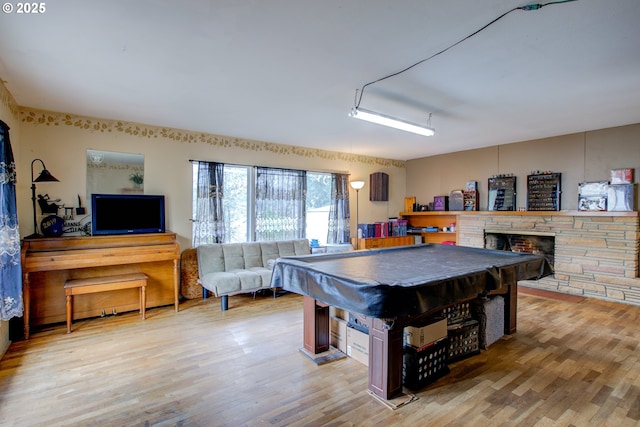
(521, 242)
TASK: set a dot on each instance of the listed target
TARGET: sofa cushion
(252, 255)
(269, 252)
(233, 256)
(265, 274)
(301, 247)
(210, 259)
(249, 280)
(286, 248)
(221, 283)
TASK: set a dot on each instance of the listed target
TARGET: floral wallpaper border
(7, 100)
(46, 118)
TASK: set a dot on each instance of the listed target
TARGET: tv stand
(47, 263)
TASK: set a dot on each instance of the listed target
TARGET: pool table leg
(385, 360)
(316, 326)
(511, 309)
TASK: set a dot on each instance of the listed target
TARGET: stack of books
(394, 227)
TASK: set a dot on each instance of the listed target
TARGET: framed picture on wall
(592, 196)
(502, 193)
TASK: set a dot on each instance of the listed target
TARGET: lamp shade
(356, 185)
(45, 176)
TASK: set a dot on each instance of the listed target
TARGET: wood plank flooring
(570, 364)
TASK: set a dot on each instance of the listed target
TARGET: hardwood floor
(571, 363)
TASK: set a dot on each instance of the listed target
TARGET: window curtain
(339, 215)
(280, 204)
(11, 280)
(208, 224)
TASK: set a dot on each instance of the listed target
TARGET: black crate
(457, 313)
(425, 365)
(463, 340)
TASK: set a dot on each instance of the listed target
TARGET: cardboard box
(358, 346)
(423, 335)
(338, 313)
(338, 330)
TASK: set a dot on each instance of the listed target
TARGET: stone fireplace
(594, 254)
(521, 242)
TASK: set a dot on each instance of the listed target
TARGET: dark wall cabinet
(379, 187)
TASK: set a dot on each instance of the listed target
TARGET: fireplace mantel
(633, 214)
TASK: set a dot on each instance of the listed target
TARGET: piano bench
(92, 285)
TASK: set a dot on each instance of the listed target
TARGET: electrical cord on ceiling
(533, 6)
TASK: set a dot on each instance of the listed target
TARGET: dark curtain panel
(208, 224)
(11, 280)
(339, 215)
(280, 204)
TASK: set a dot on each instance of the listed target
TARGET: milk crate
(457, 313)
(463, 340)
(424, 365)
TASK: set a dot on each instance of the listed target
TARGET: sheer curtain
(11, 279)
(208, 224)
(339, 215)
(280, 204)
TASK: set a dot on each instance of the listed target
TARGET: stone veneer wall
(596, 254)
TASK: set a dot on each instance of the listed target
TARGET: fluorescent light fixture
(381, 119)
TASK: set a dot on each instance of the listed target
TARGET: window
(237, 181)
(256, 208)
(318, 205)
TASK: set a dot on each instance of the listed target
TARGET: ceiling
(286, 71)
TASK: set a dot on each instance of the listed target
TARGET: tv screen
(126, 214)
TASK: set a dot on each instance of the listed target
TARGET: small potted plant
(137, 178)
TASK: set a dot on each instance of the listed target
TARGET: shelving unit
(433, 219)
(383, 242)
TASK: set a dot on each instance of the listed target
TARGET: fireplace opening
(522, 242)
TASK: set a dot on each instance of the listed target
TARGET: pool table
(398, 287)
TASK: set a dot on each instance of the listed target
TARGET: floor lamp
(45, 176)
(357, 185)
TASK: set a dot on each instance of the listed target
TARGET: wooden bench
(102, 284)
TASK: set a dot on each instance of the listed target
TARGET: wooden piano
(47, 263)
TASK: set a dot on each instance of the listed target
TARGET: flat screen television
(126, 214)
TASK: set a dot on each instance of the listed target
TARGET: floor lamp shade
(357, 185)
(44, 176)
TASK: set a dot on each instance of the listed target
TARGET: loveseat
(234, 268)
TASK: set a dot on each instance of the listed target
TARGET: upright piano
(47, 263)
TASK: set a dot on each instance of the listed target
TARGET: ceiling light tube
(381, 119)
